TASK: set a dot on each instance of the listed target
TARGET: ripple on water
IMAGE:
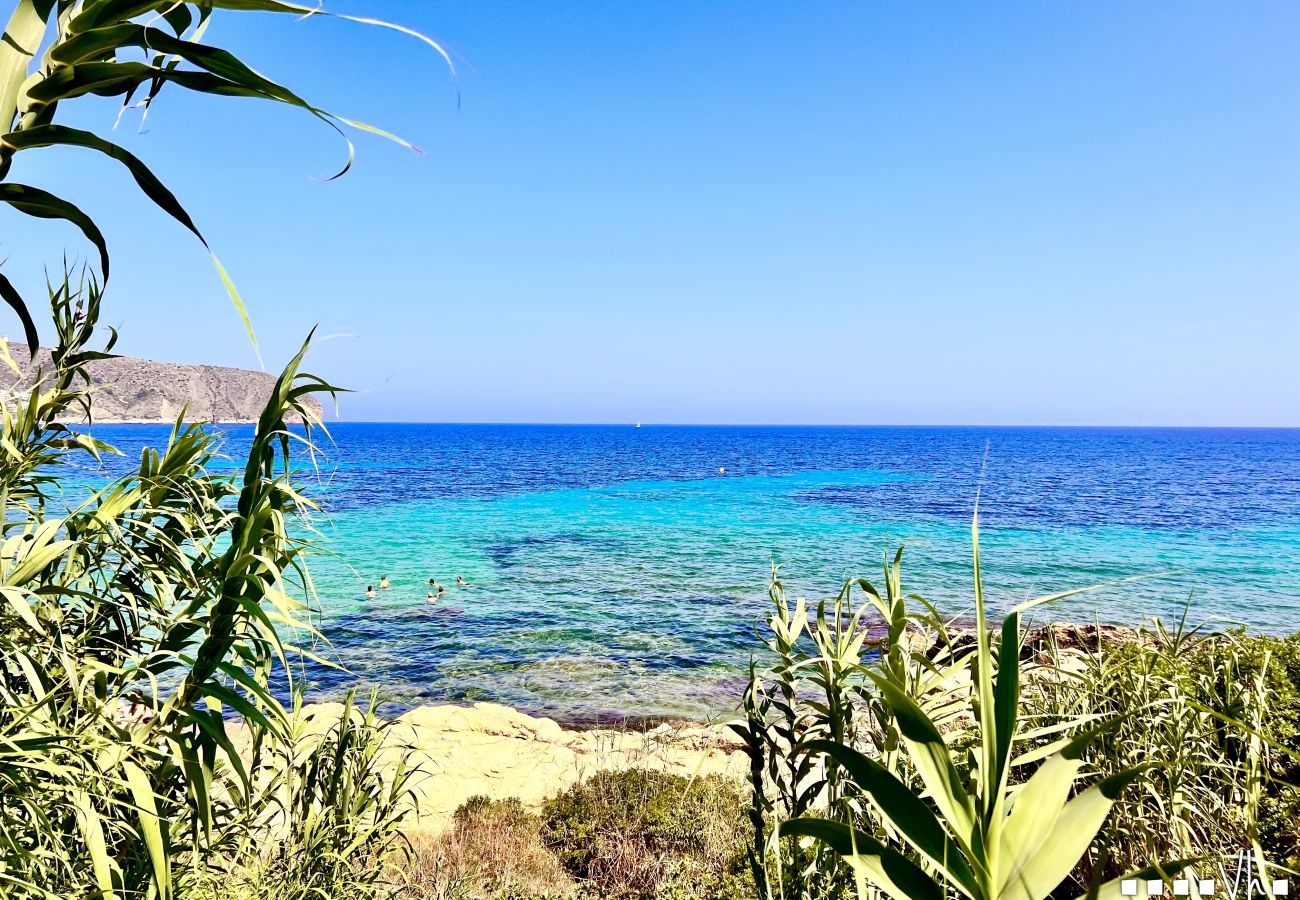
(615, 573)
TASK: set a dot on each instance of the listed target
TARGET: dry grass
(492, 848)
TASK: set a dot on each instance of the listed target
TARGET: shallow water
(616, 572)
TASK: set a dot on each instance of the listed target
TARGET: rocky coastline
(129, 390)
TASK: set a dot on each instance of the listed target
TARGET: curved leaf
(44, 205)
(62, 135)
(1071, 835)
(903, 809)
(887, 869)
(19, 306)
(932, 758)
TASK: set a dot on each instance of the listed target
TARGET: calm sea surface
(615, 571)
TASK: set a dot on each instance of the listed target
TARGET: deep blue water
(617, 571)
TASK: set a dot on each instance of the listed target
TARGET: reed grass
(939, 764)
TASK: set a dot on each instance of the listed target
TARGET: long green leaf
(905, 811)
(1072, 833)
(21, 40)
(92, 832)
(147, 812)
(44, 205)
(15, 301)
(932, 758)
(887, 869)
(62, 135)
(1038, 804)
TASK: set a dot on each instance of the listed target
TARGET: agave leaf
(1006, 701)
(933, 760)
(889, 870)
(1038, 804)
(1073, 832)
(905, 811)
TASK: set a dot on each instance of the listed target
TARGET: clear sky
(983, 213)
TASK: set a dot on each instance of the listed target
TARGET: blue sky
(1004, 213)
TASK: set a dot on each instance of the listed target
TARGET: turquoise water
(616, 572)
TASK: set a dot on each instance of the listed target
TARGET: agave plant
(129, 49)
(977, 835)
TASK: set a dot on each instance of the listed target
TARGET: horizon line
(800, 424)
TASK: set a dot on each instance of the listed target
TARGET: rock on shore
(495, 751)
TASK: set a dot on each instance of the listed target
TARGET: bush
(643, 833)
(493, 849)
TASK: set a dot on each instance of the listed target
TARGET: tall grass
(135, 624)
(131, 626)
(967, 764)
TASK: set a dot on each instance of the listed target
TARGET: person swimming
(429, 598)
(441, 591)
(461, 581)
(384, 583)
(370, 592)
(433, 582)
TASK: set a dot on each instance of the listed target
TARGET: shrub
(645, 833)
(493, 849)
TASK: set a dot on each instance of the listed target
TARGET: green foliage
(127, 49)
(1195, 707)
(816, 690)
(135, 623)
(127, 627)
(975, 835)
(330, 807)
(1279, 814)
(645, 833)
(973, 765)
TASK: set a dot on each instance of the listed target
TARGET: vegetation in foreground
(134, 624)
(941, 763)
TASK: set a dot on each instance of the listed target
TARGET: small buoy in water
(722, 470)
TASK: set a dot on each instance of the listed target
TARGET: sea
(622, 572)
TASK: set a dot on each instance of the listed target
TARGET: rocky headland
(127, 389)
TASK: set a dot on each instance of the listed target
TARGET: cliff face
(126, 389)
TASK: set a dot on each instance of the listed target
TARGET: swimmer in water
(383, 583)
(441, 590)
(461, 581)
(370, 592)
(429, 598)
